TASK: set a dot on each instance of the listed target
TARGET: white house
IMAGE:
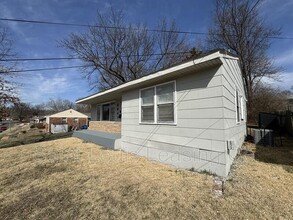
(192, 115)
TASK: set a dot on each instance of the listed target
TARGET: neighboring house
(38, 119)
(192, 115)
(35, 119)
(65, 120)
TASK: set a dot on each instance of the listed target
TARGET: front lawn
(71, 179)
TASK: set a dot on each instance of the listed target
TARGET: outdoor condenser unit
(264, 137)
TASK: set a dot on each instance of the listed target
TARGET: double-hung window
(157, 104)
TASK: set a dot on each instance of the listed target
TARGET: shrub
(40, 126)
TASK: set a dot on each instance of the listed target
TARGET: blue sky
(34, 40)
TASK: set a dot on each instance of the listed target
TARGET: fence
(280, 123)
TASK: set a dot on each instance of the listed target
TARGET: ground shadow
(282, 155)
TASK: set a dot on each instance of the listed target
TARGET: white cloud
(275, 8)
(285, 82)
(41, 88)
(285, 58)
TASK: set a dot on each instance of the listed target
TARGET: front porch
(104, 139)
(113, 127)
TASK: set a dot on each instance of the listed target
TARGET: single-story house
(65, 120)
(192, 115)
(38, 119)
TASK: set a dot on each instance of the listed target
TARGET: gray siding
(234, 132)
(206, 136)
(197, 140)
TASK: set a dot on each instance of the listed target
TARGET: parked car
(3, 129)
(83, 127)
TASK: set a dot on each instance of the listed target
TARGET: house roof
(213, 58)
(70, 113)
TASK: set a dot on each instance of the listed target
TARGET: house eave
(210, 60)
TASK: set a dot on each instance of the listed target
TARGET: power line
(44, 69)
(97, 26)
(113, 27)
(41, 59)
(65, 67)
(44, 22)
(101, 57)
(72, 67)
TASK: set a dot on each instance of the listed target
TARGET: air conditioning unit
(264, 137)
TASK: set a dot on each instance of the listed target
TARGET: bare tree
(123, 52)
(7, 87)
(21, 111)
(267, 99)
(239, 28)
(83, 108)
(57, 105)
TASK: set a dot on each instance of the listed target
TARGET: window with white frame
(237, 106)
(157, 104)
(242, 105)
(75, 120)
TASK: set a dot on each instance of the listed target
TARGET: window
(157, 104)
(242, 108)
(64, 120)
(165, 103)
(147, 105)
(75, 120)
(237, 107)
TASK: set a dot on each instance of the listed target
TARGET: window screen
(165, 103)
(147, 105)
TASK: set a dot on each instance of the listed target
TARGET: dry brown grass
(69, 179)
